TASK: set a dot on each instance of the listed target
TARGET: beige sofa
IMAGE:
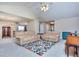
(51, 36)
(26, 37)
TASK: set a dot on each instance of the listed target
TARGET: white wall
(42, 27)
(67, 24)
(36, 24)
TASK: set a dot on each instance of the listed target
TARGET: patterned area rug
(39, 47)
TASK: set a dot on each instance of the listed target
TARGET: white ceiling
(57, 10)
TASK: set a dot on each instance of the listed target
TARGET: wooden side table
(72, 45)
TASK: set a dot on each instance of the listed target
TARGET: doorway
(6, 31)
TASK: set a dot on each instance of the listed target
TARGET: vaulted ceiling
(57, 10)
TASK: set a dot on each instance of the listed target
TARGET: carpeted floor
(39, 47)
(9, 49)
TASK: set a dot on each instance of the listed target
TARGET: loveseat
(51, 36)
(26, 37)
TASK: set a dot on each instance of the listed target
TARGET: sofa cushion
(52, 36)
(28, 36)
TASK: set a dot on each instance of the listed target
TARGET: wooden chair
(72, 41)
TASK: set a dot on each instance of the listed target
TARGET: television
(22, 28)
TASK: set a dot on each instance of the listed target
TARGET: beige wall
(22, 11)
(30, 26)
(34, 26)
(7, 23)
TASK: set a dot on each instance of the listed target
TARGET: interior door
(6, 32)
(3, 31)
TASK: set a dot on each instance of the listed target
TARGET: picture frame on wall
(21, 27)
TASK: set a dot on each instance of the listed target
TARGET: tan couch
(26, 37)
(51, 36)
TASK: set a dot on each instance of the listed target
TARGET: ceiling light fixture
(52, 22)
(44, 7)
